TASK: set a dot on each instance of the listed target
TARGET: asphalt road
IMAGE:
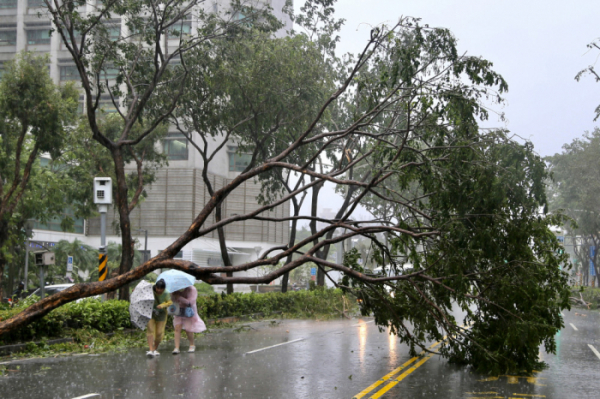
(307, 359)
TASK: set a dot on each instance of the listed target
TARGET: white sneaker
(192, 349)
(156, 353)
(150, 354)
(176, 351)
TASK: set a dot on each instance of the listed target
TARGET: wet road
(307, 359)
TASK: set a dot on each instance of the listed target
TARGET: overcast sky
(538, 46)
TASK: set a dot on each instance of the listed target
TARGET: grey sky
(538, 46)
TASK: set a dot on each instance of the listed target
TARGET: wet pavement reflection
(305, 359)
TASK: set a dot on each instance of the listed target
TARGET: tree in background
(35, 116)
(591, 70)
(150, 80)
(575, 189)
(85, 259)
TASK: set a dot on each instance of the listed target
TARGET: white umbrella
(142, 302)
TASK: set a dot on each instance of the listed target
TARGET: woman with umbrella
(147, 309)
(156, 325)
(184, 294)
(191, 325)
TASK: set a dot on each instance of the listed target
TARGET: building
(179, 192)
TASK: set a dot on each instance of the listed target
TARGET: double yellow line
(389, 378)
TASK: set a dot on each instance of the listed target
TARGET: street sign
(69, 263)
(313, 278)
(313, 271)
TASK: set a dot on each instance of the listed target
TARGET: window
(109, 73)
(175, 146)
(38, 36)
(54, 223)
(106, 105)
(8, 37)
(69, 72)
(114, 32)
(238, 16)
(8, 4)
(35, 3)
(183, 28)
(237, 162)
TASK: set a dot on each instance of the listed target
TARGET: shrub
(92, 314)
(89, 313)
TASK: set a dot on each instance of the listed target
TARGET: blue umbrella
(176, 280)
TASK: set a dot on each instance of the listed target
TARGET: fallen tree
(458, 203)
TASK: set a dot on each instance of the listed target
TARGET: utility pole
(102, 198)
(28, 231)
(146, 254)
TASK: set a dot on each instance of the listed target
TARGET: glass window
(54, 223)
(175, 146)
(69, 72)
(8, 4)
(182, 27)
(8, 37)
(237, 162)
(106, 105)
(109, 73)
(114, 32)
(38, 36)
(35, 3)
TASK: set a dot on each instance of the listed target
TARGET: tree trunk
(3, 261)
(291, 241)
(125, 225)
(223, 246)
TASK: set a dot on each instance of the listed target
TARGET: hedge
(113, 315)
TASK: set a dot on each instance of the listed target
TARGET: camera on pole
(102, 190)
(102, 198)
(42, 259)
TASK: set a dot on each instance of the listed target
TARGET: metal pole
(146, 254)
(26, 264)
(102, 264)
(103, 209)
(42, 282)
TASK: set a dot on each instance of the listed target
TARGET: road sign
(313, 271)
(313, 278)
(69, 263)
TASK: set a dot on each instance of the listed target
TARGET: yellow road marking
(388, 376)
(383, 379)
(529, 396)
(482, 393)
(488, 379)
(401, 377)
